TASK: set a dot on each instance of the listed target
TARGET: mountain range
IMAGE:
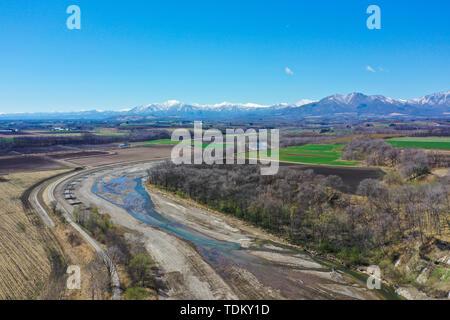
(354, 105)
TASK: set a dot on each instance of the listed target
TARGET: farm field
(324, 154)
(294, 131)
(162, 142)
(111, 134)
(25, 245)
(348, 138)
(351, 176)
(421, 142)
(170, 142)
(9, 165)
(146, 153)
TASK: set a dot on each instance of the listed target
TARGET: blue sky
(130, 53)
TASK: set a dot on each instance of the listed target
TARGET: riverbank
(226, 227)
(182, 270)
(401, 287)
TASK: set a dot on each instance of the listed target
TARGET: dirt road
(67, 213)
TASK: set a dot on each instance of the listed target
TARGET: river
(279, 271)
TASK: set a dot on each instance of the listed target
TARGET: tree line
(412, 163)
(308, 209)
(82, 139)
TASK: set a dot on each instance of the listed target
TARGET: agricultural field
(323, 154)
(162, 142)
(6, 140)
(111, 133)
(26, 247)
(17, 164)
(442, 143)
(170, 142)
(294, 131)
(349, 138)
(143, 153)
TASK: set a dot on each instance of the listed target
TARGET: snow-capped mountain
(174, 108)
(442, 98)
(338, 105)
(356, 99)
(175, 105)
(354, 105)
(360, 105)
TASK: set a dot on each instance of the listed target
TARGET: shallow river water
(232, 261)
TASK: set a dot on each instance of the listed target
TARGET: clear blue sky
(130, 53)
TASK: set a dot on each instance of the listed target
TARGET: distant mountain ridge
(353, 105)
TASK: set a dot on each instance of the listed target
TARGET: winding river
(307, 280)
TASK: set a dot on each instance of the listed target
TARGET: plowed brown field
(25, 243)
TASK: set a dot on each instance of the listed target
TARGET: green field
(294, 131)
(111, 134)
(224, 145)
(161, 142)
(325, 154)
(421, 142)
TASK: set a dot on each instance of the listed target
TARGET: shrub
(393, 178)
(140, 268)
(136, 293)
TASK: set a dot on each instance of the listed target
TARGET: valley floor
(268, 271)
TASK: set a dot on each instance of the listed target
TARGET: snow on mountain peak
(303, 102)
(171, 103)
(441, 98)
(350, 102)
(231, 104)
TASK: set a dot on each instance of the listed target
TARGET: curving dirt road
(67, 210)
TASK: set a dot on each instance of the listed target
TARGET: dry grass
(81, 254)
(26, 271)
(25, 266)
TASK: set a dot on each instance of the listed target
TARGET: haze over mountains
(354, 105)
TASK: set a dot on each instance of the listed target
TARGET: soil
(351, 177)
(11, 165)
